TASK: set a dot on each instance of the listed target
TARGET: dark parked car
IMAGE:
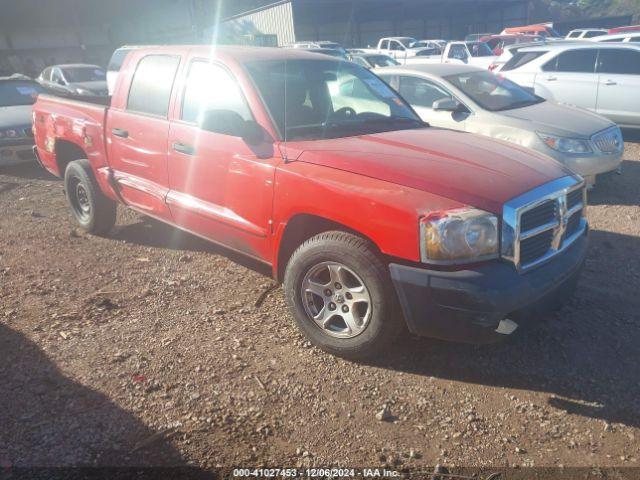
(75, 80)
(17, 94)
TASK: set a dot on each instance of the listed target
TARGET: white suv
(633, 37)
(601, 77)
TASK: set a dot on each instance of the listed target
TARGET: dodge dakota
(374, 222)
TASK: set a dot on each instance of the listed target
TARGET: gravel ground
(150, 347)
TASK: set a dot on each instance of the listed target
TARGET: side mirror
(227, 122)
(446, 105)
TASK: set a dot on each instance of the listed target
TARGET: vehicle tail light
(493, 66)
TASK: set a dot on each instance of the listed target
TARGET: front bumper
(588, 165)
(17, 153)
(469, 305)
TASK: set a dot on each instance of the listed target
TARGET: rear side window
(593, 34)
(581, 61)
(421, 93)
(618, 61)
(520, 59)
(635, 39)
(574, 34)
(612, 40)
(151, 85)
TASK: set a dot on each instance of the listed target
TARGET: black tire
(91, 209)
(384, 322)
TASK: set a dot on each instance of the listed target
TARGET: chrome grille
(535, 247)
(543, 222)
(538, 216)
(609, 141)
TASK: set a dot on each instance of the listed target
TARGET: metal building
(362, 22)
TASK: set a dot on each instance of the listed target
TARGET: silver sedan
(470, 99)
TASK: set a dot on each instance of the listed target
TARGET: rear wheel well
(67, 152)
(300, 229)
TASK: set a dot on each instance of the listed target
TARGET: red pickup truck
(373, 221)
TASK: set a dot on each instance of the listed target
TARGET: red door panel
(220, 188)
(138, 157)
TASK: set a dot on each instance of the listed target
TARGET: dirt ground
(147, 348)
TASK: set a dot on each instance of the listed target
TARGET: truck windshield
(492, 92)
(315, 99)
(84, 74)
(13, 93)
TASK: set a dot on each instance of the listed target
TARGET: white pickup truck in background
(401, 48)
(470, 53)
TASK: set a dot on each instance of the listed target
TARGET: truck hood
(470, 169)
(562, 120)
(15, 116)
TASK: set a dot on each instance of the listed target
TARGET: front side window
(211, 87)
(420, 92)
(635, 39)
(152, 83)
(396, 46)
(313, 99)
(492, 92)
(578, 61)
(574, 35)
(619, 61)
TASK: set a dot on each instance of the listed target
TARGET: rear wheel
(91, 209)
(341, 296)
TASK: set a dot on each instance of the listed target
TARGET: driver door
(220, 187)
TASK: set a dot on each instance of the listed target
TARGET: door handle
(611, 82)
(552, 79)
(119, 132)
(185, 149)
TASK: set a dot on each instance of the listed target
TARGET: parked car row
(17, 95)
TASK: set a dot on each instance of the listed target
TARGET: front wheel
(341, 296)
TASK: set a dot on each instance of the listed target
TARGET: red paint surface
(244, 196)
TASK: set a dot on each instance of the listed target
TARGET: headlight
(566, 145)
(458, 236)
